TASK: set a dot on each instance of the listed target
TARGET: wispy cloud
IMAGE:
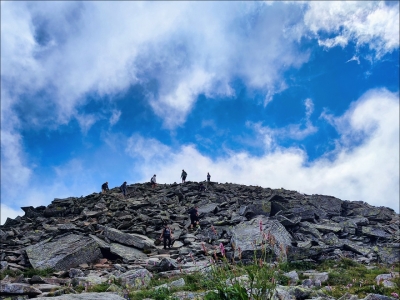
(297, 131)
(373, 24)
(116, 114)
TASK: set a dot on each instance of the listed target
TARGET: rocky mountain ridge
(115, 235)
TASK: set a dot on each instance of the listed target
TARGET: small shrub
(99, 288)
(40, 272)
(10, 273)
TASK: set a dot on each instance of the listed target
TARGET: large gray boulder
(15, 289)
(248, 237)
(64, 253)
(372, 213)
(130, 239)
(128, 254)
(388, 253)
(138, 278)
(308, 209)
(85, 296)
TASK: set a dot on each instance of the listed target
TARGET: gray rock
(348, 296)
(387, 279)
(248, 238)
(294, 277)
(3, 265)
(288, 222)
(329, 226)
(18, 289)
(321, 276)
(36, 279)
(388, 253)
(375, 231)
(85, 296)
(128, 254)
(130, 239)
(378, 297)
(139, 278)
(63, 253)
(355, 247)
(75, 273)
(45, 287)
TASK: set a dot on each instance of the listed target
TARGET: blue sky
(299, 95)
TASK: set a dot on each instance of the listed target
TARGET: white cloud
(98, 47)
(76, 48)
(116, 114)
(367, 171)
(297, 131)
(371, 23)
(150, 150)
(14, 172)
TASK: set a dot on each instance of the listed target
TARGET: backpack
(167, 232)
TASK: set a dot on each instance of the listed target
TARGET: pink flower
(261, 227)
(204, 248)
(221, 247)
(395, 295)
(192, 258)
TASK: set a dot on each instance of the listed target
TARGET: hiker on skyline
(123, 188)
(183, 176)
(153, 181)
(104, 187)
(208, 177)
(167, 235)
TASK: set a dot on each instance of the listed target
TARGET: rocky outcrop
(86, 296)
(63, 253)
(117, 235)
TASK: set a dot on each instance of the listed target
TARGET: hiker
(194, 217)
(153, 181)
(104, 187)
(202, 188)
(183, 176)
(167, 235)
(123, 188)
(208, 177)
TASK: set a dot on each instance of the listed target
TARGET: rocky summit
(102, 236)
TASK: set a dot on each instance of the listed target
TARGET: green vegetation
(43, 273)
(236, 281)
(27, 273)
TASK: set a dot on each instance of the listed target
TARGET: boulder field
(89, 239)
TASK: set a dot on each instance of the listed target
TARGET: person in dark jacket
(208, 177)
(123, 188)
(194, 217)
(104, 187)
(183, 176)
(153, 181)
(202, 188)
(167, 235)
